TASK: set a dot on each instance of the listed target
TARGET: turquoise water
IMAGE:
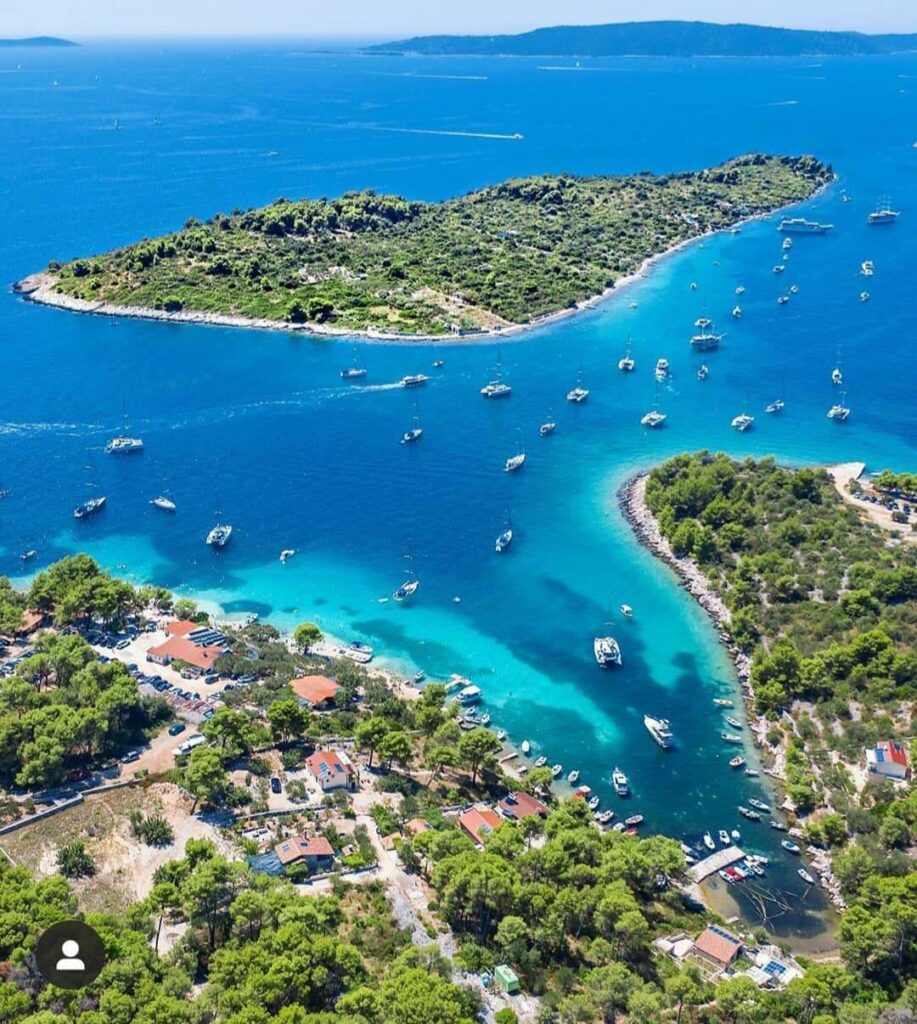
(260, 423)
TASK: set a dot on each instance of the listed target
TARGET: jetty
(715, 862)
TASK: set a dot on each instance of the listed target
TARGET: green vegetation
(895, 483)
(504, 255)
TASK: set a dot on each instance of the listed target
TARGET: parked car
(275, 785)
(177, 728)
(131, 755)
(121, 644)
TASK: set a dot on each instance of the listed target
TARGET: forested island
(494, 260)
(34, 41)
(656, 39)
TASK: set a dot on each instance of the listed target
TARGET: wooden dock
(717, 860)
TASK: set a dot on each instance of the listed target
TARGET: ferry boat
(546, 429)
(708, 841)
(801, 226)
(703, 372)
(469, 695)
(89, 508)
(503, 541)
(166, 504)
(124, 446)
(775, 406)
(496, 389)
(839, 412)
(406, 590)
(743, 422)
(737, 762)
(867, 268)
(805, 876)
(659, 729)
(514, 462)
(789, 846)
(620, 782)
(606, 651)
(414, 380)
(219, 535)
(730, 737)
(662, 369)
(883, 213)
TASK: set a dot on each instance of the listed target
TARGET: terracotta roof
(315, 690)
(718, 944)
(181, 627)
(327, 762)
(178, 647)
(417, 825)
(388, 842)
(522, 805)
(479, 823)
(299, 847)
(890, 752)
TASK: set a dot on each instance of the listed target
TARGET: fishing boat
(723, 702)
(573, 777)
(883, 213)
(414, 380)
(525, 747)
(789, 846)
(164, 503)
(805, 876)
(743, 422)
(548, 428)
(514, 463)
(734, 722)
(607, 652)
(620, 782)
(778, 826)
(776, 406)
(220, 535)
(747, 812)
(503, 541)
(737, 762)
(801, 226)
(286, 555)
(703, 372)
(709, 842)
(758, 804)
(730, 737)
(724, 837)
(556, 770)
(662, 369)
(660, 730)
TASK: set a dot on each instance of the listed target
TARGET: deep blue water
(260, 424)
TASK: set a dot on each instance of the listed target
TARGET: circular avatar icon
(70, 954)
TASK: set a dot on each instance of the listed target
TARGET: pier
(715, 862)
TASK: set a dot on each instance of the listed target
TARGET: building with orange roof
(181, 627)
(200, 659)
(888, 758)
(331, 769)
(315, 691)
(478, 823)
(522, 805)
(315, 851)
(417, 825)
(718, 946)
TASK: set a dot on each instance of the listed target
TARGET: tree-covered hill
(657, 39)
(507, 254)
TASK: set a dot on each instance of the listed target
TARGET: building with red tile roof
(201, 659)
(417, 825)
(478, 823)
(522, 805)
(331, 769)
(315, 691)
(314, 850)
(888, 758)
(717, 946)
(181, 627)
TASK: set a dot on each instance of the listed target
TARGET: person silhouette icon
(70, 960)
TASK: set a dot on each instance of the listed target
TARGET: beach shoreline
(38, 288)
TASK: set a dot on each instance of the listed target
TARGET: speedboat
(286, 555)
(414, 380)
(620, 782)
(775, 406)
(89, 508)
(514, 462)
(789, 846)
(627, 611)
(578, 394)
(634, 820)
(724, 837)
(659, 729)
(166, 504)
(662, 369)
(743, 422)
(708, 841)
(219, 535)
(541, 761)
(496, 389)
(778, 826)
(414, 434)
(653, 418)
(730, 737)
(124, 446)
(573, 777)
(353, 373)
(547, 429)
(737, 762)
(627, 363)
(594, 802)
(703, 372)
(759, 804)
(556, 770)
(734, 722)
(406, 590)
(525, 747)
(503, 541)
(805, 876)
(606, 651)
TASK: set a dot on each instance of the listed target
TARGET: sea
(111, 142)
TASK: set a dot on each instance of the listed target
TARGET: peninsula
(492, 261)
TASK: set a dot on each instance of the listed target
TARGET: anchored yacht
(801, 226)
(166, 504)
(89, 508)
(124, 445)
(606, 651)
(743, 422)
(219, 535)
(660, 730)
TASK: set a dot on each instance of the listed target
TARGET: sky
(391, 19)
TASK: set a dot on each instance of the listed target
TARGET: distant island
(34, 41)
(496, 260)
(656, 39)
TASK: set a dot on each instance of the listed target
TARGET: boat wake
(515, 137)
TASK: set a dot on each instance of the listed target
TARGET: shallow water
(260, 425)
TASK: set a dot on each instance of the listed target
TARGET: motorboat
(730, 737)
(27, 556)
(723, 702)
(747, 812)
(469, 695)
(573, 777)
(556, 770)
(353, 373)
(514, 463)
(541, 761)
(864, 296)
(594, 802)
(503, 541)
(778, 268)
(406, 590)
(752, 773)
(782, 300)
(659, 729)
(737, 762)
(627, 611)
(837, 377)
(703, 371)
(525, 747)
(414, 380)
(607, 652)
(409, 436)
(737, 311)
(776, 406)
(777, 826)
(662, 369)
(89, 508)
(724, 837)
(627, 363)
(620, 782)
(548, 428)
(577, 394)
(653, 418)
(805, 876)
(838, 412)
(790, 846)
(867, 268)
(734, 722)
(437, 363)
(709, 842)
(634, 820)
